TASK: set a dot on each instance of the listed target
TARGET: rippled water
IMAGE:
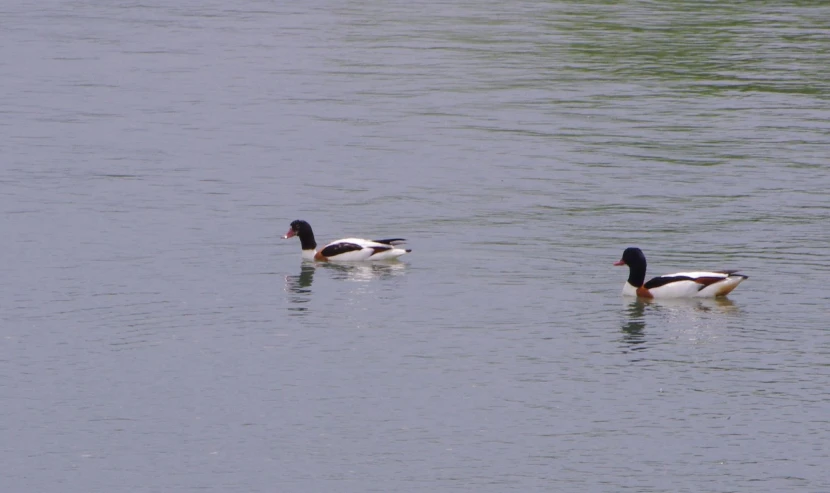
(159, 335)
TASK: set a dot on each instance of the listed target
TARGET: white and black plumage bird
(346, 249)
(697, 284)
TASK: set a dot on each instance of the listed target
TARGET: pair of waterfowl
(697, 284)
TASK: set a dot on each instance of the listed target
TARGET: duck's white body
(354, 250)
(697, 284)
(719, 284)
(346, 249)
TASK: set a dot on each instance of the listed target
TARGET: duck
(698, 284)
(346, 249)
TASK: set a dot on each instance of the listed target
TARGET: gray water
(159, 335)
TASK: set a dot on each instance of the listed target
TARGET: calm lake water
(159, 335)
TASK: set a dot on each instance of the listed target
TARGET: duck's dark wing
(663, 280)
(391, 241)
(339, 249)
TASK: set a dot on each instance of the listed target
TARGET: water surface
(159, 335)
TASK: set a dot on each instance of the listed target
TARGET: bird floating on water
(697, 284)
(346, 249)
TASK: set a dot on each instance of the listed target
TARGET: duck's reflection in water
(299, 289)
(301, 283)
(362, 272)
(690, 305)
(694, 310)
(634, 325)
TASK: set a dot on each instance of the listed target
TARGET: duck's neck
(307, 240)
(637, 274)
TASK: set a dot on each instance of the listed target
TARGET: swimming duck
(679, 285)
(346, 249)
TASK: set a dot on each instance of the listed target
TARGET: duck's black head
(302, 230)
(634, 258)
